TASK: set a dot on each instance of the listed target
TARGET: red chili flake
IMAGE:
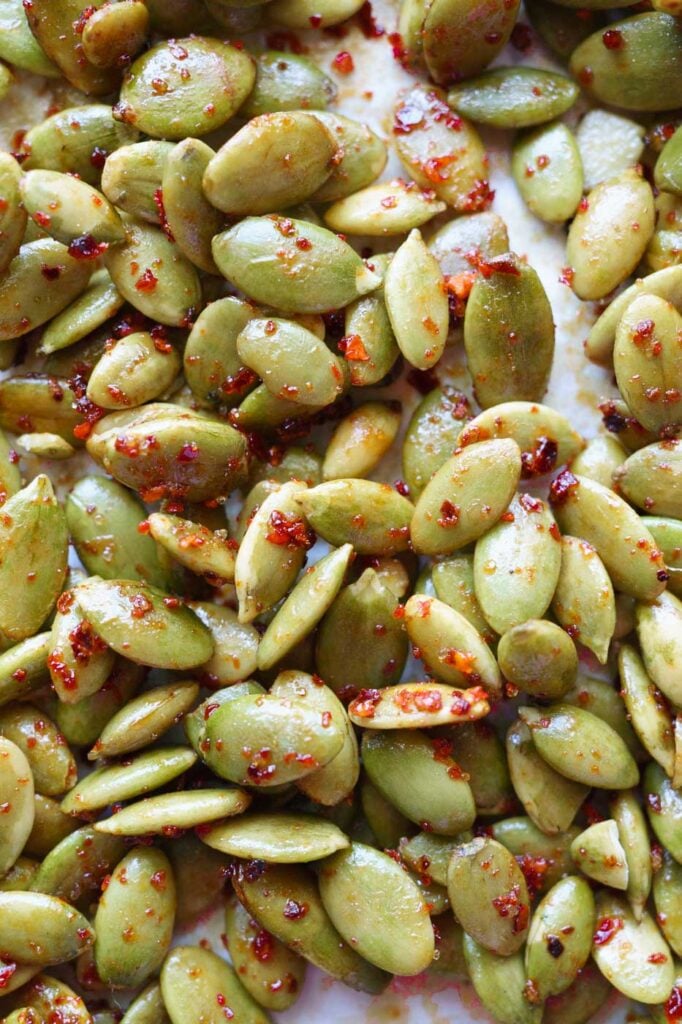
(434, 165)
(521, 37)
(399, 612)
(98, 157)
(42, 219)
(541, 460)
(534, 870)
(531, 504)
(7, 971)
(507, 517)
(50, 273)
(407, 118)
(188, 453)
(85, 642)
(85, 247)
(263, 945)
(479, 197)
(147, 282)
(285, 529)
(343, 63)
(367, 22)
(141, 606)
(159, 880)
(461, 660)
(365, 704)
(261, 766)
(352, 347)
(161, 210)
(562, 488)
(315, 20)
(58, 668)
(673, 1008)
(606, 929)
(566, 276)
(449, 515)
(410, 701)
(304, 244)
(402, 488)
(20, 675)
(657, 958)
(294, 911)
(643, 330)
(613, 39)
(509, 904)
(398, 48)
(82, 19)
(65, 601)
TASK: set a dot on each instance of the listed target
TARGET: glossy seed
(509, 333)
(287, 81)
(581, 746)
(364, 156)
(144, 719)
(69, 209)
(391, 208)
(64, 932)
(291, 361)
(560, 936)
(16, 795)
(500, 984)
(180, 810)
(549, 799)
(277, 838)
(134, 919)
(647, 711)
(489, 895)
(419, 315)
(133, 371)
(373, 517)
(600, 162)
(197, 981)
(461, 39)
(584, 601)
(514, 97)
(133, 777)
(57, 32)
(539, 658)
(417, 706)
(659, 634)
(432, 434)
(420, 778)
(464, 498)
(648, 364)
(132, 178)
(377, 907)
(547, 169)
(53, 766)
(632, 955)
(271, 972)
(292, 265)
(634, 837)
(599, 854)
(39, 282)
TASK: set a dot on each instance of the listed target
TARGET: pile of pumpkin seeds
(449, 740)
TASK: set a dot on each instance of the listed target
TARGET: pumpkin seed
(517, 97)
(179, 810)
(441, 150)
(23, 668)
(76, 209)
(599, 854)
(584, 602)
(500, 983)
(417, 706)
(133, 175)
(195, 456)
(667, 171)
(371, 357)
(648, 713)
(112, 34)
(628, 959)
(212, 365)
(419, 314)
(600, 162)
(196, 981)
(545, 437)
(377, 907)
(19, 46)
(131, 778)
(585, 509)
(47, 995)
(147, 1008)
(203, 83)
(144, 719)
(68, 140)
(103, 519)
(668, 536)
(39, 282)
(100, 301)
(364, 157)
(199, 874)
(291, 361)
(287, 81)
(509, 334)
(133, 371)
(208, 553)
(33, 548)
(78, 661)
(549, 799)
(460, 39)
(667, 284)
(463, 498)
(277, 838)
(600, 459)
(489, 895)
(292, 265)
(74, 868)
(274, 980)
(529, 845)
(170, 635)
(64, 933)
(402, 765)
(658, 631)
(152, 275)
(132, 942)
(285, 739)
(53, 766)
(189, 217)
(667, 889)
(650, 478)
(601, 698)
(50, 826)
(634, 837)
(453, 583)
(390, 208)
(57, 32)
(664, 809)
(538, 658)
(16, 795)
(642, 73)
(274, 161)
(284, 899)
(560, 936)
(450, 646)
(581, 746)
(432, 435)
(484, 233)
(547, 169)
(12, 216)
(372, 517)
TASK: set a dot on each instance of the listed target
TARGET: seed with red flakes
(85, 247)
(263, 945)
(563, 487)
(343, 63)
(510, 904)
(673, 1008)
(285, 529)
(607, 927)
(613, 39)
